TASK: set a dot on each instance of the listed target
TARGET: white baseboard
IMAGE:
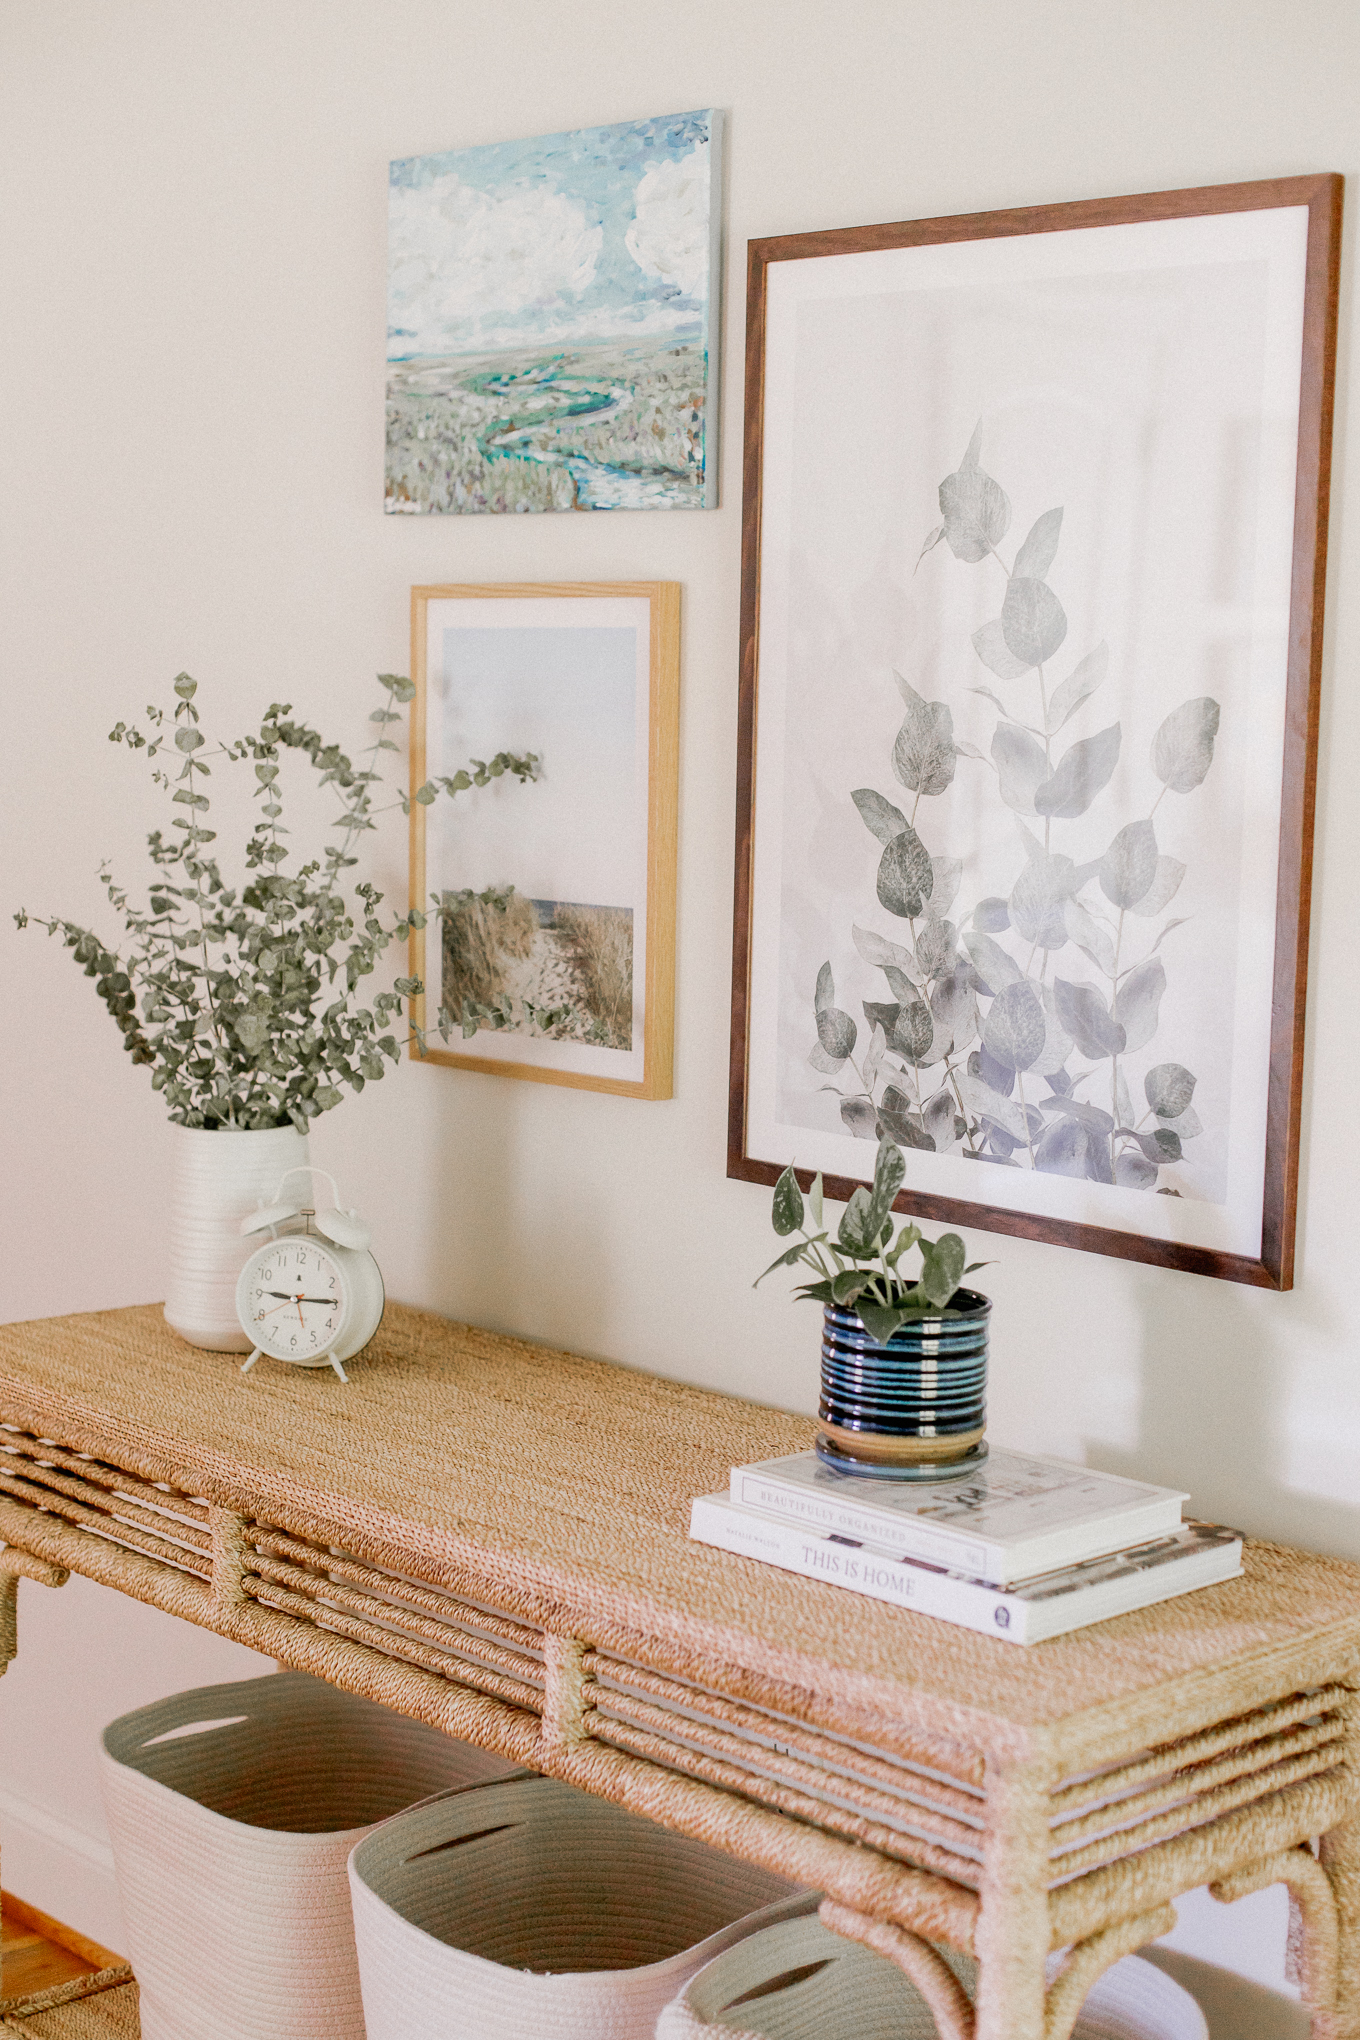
(60, 1868)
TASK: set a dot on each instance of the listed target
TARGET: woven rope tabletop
(560, 1487)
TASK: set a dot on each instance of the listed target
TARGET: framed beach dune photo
(1035, 544)
(549, 951)
(552, 322)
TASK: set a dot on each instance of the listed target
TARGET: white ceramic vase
(218, 1178)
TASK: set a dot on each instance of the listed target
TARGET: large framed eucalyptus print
(1034, 542)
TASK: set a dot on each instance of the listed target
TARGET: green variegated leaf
(785, 1260)
(787, 1215)
(859, 1226)
(890, 1170)
(881, 1320)
(941, 1268)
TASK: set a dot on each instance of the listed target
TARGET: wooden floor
(36, 1952)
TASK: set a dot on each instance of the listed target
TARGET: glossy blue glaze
(929, 1381)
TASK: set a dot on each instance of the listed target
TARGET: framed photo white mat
(565, 911)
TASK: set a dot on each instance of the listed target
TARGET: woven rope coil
(232, 1811)
(530, 1911)
(98, 2007)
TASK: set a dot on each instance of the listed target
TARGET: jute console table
(491, 1537)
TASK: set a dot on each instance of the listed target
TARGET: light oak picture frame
(915, 376)
(541, 667)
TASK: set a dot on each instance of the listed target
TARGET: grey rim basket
(531, 1911)
(232, 1810)
(796, 1980)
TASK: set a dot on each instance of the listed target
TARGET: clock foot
(339, 1370)
(251, 1362)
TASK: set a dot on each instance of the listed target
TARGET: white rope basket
(232, 1811)
(531, 1911)
(798, 1981)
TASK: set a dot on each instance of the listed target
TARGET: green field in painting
(607, 427)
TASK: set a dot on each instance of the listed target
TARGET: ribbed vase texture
(219, 1178)
(928, 1382)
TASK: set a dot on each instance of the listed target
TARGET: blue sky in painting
(602, 233)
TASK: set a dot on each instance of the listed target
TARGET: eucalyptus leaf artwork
(1033, 561)
(1005, 1028)
(242, 998)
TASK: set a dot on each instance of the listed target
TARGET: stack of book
(1022, 1548)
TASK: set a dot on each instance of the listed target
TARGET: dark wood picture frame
(1322, 195)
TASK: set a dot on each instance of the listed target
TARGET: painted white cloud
(669, 237)
(461, 261)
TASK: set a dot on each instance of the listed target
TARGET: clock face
(293, 1298)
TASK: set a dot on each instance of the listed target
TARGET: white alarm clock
(312, 1293)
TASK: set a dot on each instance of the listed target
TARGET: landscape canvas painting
(548, 953)
(552, 306)
(1025, 822)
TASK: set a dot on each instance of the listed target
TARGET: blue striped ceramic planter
(915, 1409)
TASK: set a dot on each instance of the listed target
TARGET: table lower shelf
(98, 2007)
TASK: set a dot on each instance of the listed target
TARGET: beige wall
(192, 255)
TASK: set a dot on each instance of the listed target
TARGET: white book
(1014, 1516)
(1192, 1555)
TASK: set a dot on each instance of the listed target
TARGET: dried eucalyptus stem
(242, 999)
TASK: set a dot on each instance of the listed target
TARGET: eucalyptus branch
(243, 998)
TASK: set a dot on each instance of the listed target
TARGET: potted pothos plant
(245, 996)
(904, 1357)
